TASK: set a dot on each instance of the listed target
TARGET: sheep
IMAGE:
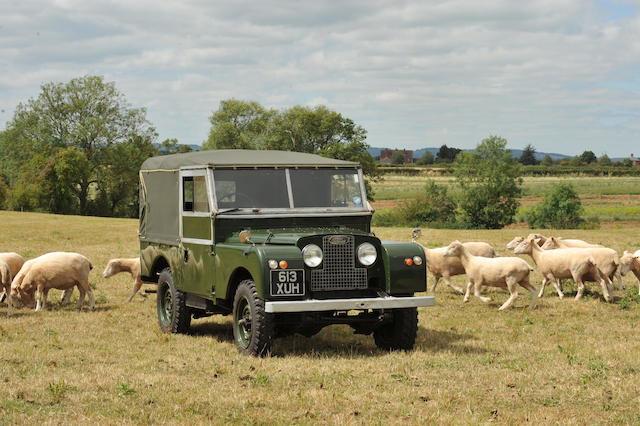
(607, 259)
(60, 270)
(540, 239)
(10, 264)
(447, 267)
(554, 242)
(631, 262)
(132, 266)
(504, 272)
(555, 265)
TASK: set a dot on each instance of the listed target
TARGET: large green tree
(248, 125)
(490, 183)
(528, 157)
(79, 123)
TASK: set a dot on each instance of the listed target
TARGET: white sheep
(540, 239)
(555, 242)
(10, 264)
(447, 267)
(60, 270)
(504, 272)
(631, 262)
(132, 266)
(575, 263)
(607, 259)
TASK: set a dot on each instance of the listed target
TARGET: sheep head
(514, 243)
(626, 261)
(551, 243)
(525, 247)
(454, 249)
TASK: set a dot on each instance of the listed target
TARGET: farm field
(609, 199)
(564, 362)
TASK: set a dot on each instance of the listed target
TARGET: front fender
(401, 278)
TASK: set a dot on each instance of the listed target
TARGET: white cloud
(561, 74)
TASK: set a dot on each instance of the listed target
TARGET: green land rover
(280, 240)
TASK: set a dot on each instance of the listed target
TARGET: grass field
(608, 199)
(564, 362)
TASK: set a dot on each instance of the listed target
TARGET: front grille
(338, 266)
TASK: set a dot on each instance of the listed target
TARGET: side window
(194, 193)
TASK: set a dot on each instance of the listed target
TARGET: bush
(560, 209)
(434, 206)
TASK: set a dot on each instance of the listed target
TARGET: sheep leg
(511, 286)
(80, 297)
(450, 284)
(435, 283)
(618, 278)
(558, 287)
(476, 292)
(468, 292)
(542, 286)
(580, 286)
(66, 296)
(3, 296)
(86, 288)
(534, 293)
(605, 282)
(136, 288)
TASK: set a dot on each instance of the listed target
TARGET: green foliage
(238, 125)
(433, 206)
(60, 147)
(397, 157)
(446, 154)
(560, 209)
(604, 160)
(627, 162)
(247, 125)
(588, 157)
(125, 389)
(490, 183)
(547, 161)
(171, 146)
(528, 157)
(426, 159)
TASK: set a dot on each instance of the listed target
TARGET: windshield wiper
(228, 210)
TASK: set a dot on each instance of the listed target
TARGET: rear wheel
(173, 314)
(400, 334)
(252, 326)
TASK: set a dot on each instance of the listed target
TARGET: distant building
(386, 155)
(634, 161)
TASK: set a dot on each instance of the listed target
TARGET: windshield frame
(244, 211)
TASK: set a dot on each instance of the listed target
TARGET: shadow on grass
(442, 340)
(220, 332)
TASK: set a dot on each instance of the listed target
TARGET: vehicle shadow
(221, 332)
(430, 340)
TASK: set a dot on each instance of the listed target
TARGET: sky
(562, 75)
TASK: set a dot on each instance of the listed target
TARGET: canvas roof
(240, 157)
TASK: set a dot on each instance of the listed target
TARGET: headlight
(367, 254)
(312, 255)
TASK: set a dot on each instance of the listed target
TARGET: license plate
(289, 282)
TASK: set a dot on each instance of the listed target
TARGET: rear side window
(194, 194)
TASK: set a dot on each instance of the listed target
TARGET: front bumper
(315, 305)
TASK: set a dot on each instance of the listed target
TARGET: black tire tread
(181, 319)
(262, 322)
(399, 334)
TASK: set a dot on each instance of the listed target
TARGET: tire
(173, 314)
(252, 326)
(400, 334)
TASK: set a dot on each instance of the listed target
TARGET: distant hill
(163, 150)
(514, 152)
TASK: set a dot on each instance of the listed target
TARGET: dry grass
(564, 362)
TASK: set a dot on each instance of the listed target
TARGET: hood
(289, 236)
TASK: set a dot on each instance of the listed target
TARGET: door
(196, 233)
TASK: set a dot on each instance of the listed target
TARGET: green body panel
(197, 274)
(196, 227)
(403, 279)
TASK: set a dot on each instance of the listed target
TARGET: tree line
(77, 147)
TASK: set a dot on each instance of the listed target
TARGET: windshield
(267, 188)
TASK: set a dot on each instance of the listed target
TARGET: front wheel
(252, 326)
(400, 334)
(174, 316)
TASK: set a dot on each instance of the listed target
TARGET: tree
(397, 157)
(77, 123)
(627, 162)
(560, 209)
(490, 183)
(171, 146)
(238, 125)
(604, 160)
(434, 205)
(528, 157)
(588, 157)
(547, 161)
(446, 154)
(576, 161)
(427, 158)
